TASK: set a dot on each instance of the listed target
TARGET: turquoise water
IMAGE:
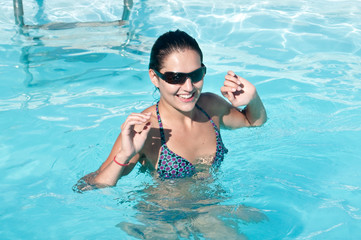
(64, 94)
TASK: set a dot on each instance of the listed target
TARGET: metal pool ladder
(19, 19)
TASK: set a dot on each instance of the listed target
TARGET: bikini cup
(171, 165)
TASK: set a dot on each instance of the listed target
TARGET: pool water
(65, 93)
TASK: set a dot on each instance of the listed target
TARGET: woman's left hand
(238, 90)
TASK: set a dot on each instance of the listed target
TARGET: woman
(179, 136)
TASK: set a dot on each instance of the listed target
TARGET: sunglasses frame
(181, 76)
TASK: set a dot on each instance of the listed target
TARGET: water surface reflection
(189, 208)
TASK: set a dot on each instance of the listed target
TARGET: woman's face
(181, 96)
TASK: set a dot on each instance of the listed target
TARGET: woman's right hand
(134, 132)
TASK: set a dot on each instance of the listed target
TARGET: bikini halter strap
(162, 136)
(209, 117)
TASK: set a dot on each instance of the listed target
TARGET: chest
(195, 144)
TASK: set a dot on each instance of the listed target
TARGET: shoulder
(222, 111)
(151, 109)
(213, 104)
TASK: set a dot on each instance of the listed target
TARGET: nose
(188, 85)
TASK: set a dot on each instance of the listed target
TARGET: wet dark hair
(168, 43)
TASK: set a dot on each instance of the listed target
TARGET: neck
(172, 114)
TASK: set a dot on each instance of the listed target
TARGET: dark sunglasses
(180, 78)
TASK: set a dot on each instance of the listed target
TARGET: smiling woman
(184, 120)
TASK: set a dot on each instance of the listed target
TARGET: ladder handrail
(18, 12)
(19, 19)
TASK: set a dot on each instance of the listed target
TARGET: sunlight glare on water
(65, 93)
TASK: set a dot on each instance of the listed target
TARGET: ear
(154, 78)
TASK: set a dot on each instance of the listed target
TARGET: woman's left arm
(241, 92)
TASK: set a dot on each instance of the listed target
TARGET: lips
(186, 97)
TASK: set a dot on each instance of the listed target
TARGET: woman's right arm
(124, 155)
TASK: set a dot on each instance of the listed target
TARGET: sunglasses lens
(180, 78)
(197, 75)
(175, 78)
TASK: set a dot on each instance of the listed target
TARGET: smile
(186, 97)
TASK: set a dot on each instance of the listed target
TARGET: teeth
(186, 96)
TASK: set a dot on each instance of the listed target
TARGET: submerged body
(189, 208)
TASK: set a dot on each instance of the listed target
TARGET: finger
(232, 81)
(232, 78)
(230, 96)
(130, 123)
(145, 129)
(230, 89)
(135, 121)
(140, 115)
(230, 72)
(241, 78)
(244, 81)
(235, 76)
(227, 93)
(233, 85)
